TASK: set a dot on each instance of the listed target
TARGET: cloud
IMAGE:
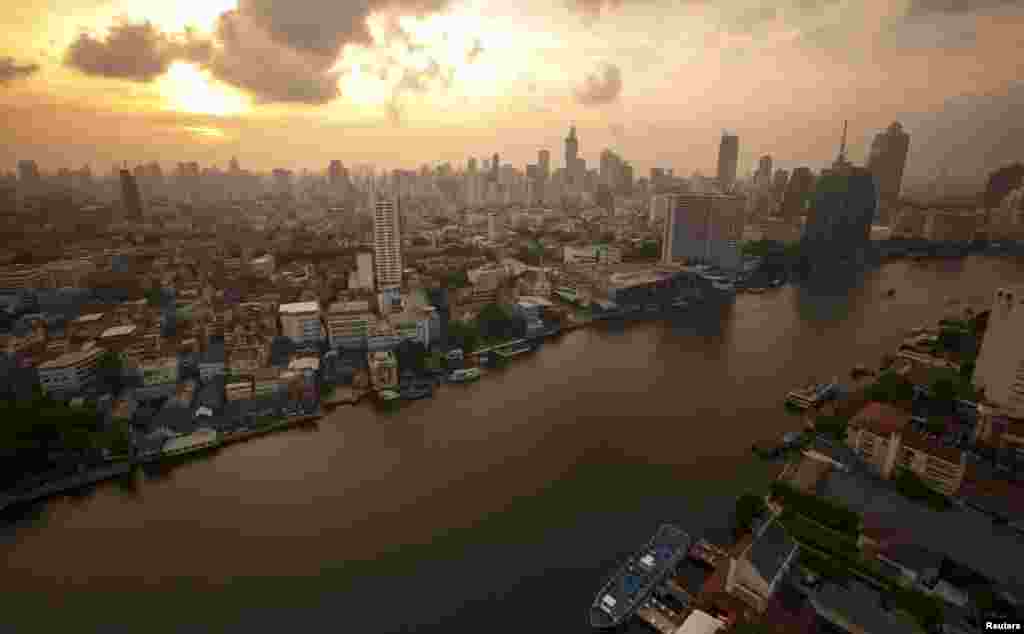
(11, 70)
(751, 19)
(919, 8)
(475, 51)
(132, 51)
(247, 57)
(599, 89)
(276, 50)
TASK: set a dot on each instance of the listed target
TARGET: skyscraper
(838, 228)
(1001, 357)
(28, 173)
(544, 163)
(495, 166)
(763, 177)
(130, 198)
(728, 160)
(779, 184)
(886, 160)
(704, 229)
(572, 150)
(387, 246)
(798, 193)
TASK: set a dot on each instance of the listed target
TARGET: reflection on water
(517, 490)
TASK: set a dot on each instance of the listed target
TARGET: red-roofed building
(879, 434)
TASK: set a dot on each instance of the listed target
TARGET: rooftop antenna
(841, 159)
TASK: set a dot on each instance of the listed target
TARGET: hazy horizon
(400, 83)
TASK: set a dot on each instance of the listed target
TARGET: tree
(834, 426)
(890, 387)
(110, 371)
(749, 507)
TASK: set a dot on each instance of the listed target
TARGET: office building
(704, 229)
(1000, 365)
(493, 230)
(886, 160)
(387, 246)
(838, 228)
(300, 322)
(779, 184)
(544, 165)
(728, 160)
(659, 206)
(574, 171)
(362, 277)
(28, 173)
(763, 176)
(799, 190)
(131, 200)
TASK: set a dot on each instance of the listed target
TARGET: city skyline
(436, 81)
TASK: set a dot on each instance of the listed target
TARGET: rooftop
(71, 358)
(89, 318)
(300, 307)
(881, 418)
(916, 441)
(118, 331)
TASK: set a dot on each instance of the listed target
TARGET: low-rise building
(755, 574)
(70, 372)
(239, 390)
(589, 255)
(23, 277)
(300, 322)
(349, 324)
(383, 369)
(879, 434)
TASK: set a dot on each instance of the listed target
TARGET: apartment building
(349, 324)
(22, 277)
(880, 435)
(300, 322)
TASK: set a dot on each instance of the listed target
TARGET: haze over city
(401, 83)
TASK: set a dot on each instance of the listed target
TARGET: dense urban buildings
(886, 161)
(130, 197)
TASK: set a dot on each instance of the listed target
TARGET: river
(496, 506)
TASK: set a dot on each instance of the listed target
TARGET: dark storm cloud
(11, 70)
(137, 52)
(601, 88)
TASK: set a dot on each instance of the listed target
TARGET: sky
(401, 83)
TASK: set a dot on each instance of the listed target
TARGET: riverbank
(69, 483)
(521, 491)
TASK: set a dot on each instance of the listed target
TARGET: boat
(891, 292)
(506, 353)
(464, 375)
(416, 391)
(776, 283)
(633, 582)
(812, 396)
(388, 398)
(200, 440)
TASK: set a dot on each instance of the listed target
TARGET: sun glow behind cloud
(178, 15)
(188, 89)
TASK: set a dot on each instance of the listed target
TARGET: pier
(69, 483)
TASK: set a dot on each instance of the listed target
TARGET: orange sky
(299, 82)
